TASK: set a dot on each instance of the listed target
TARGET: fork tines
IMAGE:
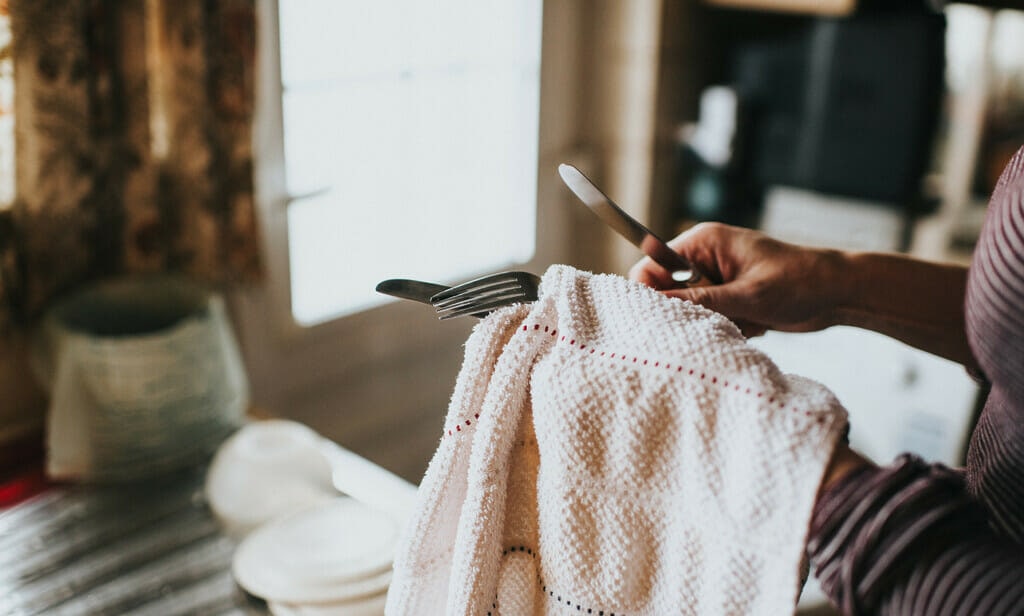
(483, 295)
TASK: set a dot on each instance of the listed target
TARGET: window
(412, 128)
(393, 140)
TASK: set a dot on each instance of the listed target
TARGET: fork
(483, 295)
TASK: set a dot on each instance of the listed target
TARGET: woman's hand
(758, 282)
(762, 284)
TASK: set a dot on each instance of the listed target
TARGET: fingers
(724, 300)
(702, 244)
(698, 245)
(749, 329)
(729, 299)
(647, 272)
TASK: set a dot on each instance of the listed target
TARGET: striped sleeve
(909, 539)
(917, 539)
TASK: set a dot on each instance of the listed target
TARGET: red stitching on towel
(667, 366)
(657, 364)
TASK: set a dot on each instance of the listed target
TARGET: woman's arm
(918, 302)
(761, 283)
(909, 539)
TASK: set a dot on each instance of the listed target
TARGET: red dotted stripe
(469, 422)
(562, 600)
(634, 359)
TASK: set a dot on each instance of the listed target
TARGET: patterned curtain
(133, 129)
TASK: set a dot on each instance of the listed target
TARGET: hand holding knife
(640, 236)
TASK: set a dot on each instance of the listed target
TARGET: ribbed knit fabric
(614, 452)
(917, 539)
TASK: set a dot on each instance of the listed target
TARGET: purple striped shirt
(917, 539)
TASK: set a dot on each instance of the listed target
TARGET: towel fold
(609, 450)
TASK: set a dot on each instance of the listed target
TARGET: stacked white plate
(332, 559)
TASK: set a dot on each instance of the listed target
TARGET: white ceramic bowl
(266, 470)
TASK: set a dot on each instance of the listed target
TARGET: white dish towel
(612, 451)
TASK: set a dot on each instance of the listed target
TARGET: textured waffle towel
(609, 450)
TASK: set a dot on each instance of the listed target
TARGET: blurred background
(321, 146)
(290, 154)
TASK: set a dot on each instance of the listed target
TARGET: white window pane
(449, 33)
(437, 161)
(326, 40)
(343, 135)
(475, 141)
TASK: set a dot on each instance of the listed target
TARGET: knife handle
(683, 272)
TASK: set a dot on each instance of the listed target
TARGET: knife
(415, 290)
(640, 236)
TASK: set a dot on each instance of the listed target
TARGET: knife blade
(682, 271)
(415, 290)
